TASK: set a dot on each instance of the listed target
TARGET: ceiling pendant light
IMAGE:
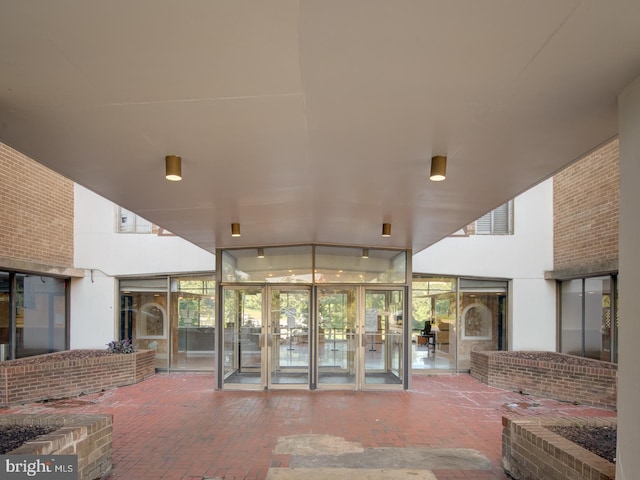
(235, 229)
(386, 229)
(173, 168)
(261, 253)
(438, 168)
(365, 253)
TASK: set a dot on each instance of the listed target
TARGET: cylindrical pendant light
(235, 229)
(173, 168)
(438, 168)
(261, 253)
(365, 253)
(386, 229)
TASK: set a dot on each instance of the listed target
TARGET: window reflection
(40, 315)
(587, 313)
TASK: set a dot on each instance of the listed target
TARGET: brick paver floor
(176, 426)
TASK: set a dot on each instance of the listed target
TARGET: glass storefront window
(433, 323)
(41, 325)
(144, 317)
(193, 321)
(452, 317)
(588, 317)
(359, 265)
(597, 338)
(180, 327)
(291, 264)
(571, 315)
(294, 264)
(40, 304)
(482, 318)
(614, 319)
(5, 333)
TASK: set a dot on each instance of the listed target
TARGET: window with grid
(497, 222)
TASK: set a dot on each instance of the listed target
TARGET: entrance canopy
(313, 121)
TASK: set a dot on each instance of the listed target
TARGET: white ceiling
(312, 120)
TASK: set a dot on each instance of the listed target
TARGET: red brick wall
(585, 204)
(530, 451)
(36, 211)
(88, 436)
(589, 382)
(29, 380)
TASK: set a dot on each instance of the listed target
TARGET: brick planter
(555, 375)
(531, 452)
(61, 375)
(87, 436)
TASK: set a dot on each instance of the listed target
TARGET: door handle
(265, 339)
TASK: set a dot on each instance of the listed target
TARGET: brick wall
(56, 375)
(36, 211)
(571, 379)
(531, 452)
(585, 205)
(87, 436)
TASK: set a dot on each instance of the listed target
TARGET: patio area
(176, 426)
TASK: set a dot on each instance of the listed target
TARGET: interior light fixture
(365, 253)
(261, 253)
(438, 168)
(386, 229)
(173, 168)
(235, 229)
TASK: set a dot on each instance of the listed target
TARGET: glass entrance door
(337, 334)
(360, 337)
(353, 339)
(244, 337)
(266, 351)
(289, 337)
(382, 340)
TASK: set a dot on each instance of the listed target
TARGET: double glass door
(298, 337)
(360, 337)
(266, 337)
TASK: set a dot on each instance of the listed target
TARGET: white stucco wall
(97, 246)
(93, 311)
(520, 258)
(627, 458)
(105, 256)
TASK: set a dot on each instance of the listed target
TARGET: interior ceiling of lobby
(313, 120)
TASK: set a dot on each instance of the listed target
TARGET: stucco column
(628, 460)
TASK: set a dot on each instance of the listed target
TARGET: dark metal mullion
(219, 330)
(407, 323)
(314, 327)
(314, 339)
(584, 303)
(13, 337)
(613, 327)
(67, 314)
(51, 322)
